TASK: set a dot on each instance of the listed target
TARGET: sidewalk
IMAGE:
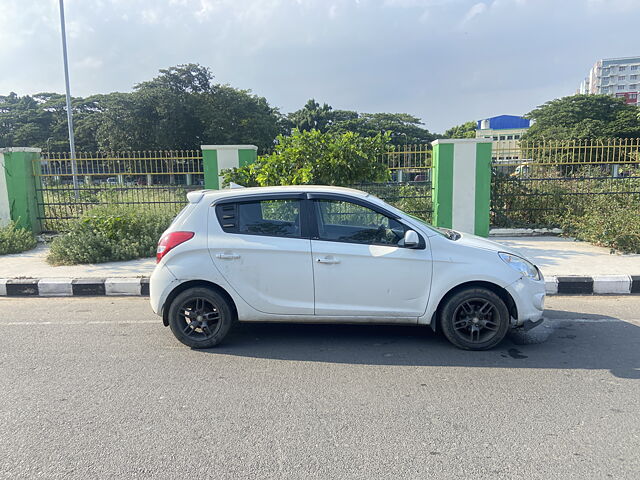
(568, 267)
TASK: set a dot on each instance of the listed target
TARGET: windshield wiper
(450, 234)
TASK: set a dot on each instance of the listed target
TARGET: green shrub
(317, 158)
(107, 234)
(609, 222)
(14, 239)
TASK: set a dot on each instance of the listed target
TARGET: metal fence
(533, 184)
(539, 184)
(153, 180)
(409, 188)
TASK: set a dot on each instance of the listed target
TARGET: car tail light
(171, 240)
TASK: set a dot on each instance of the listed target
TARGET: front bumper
(529, 296)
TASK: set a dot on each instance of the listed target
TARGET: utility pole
(72, 143)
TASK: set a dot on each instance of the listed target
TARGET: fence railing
(533, 184)
(409, 163)
(538, 184)
(156, 180)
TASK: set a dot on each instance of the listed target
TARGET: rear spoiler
(195, 196)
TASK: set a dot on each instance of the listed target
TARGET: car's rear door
(262, 249)
(360, 266)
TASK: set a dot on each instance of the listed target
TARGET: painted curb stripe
(144, 287)
(88, 287)
(122, 286)
(55, 287)
(575, 285)
(551, 285)
(612, 284)
(22, 287)
(136, 286)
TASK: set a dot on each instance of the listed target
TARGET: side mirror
(411, 239)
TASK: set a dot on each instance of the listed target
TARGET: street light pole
(72, 144)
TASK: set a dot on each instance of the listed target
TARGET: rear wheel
(475, 319)
(200, 317)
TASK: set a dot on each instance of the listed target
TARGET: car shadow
(592, 342)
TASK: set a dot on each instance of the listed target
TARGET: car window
(279, 218)
(342, 221)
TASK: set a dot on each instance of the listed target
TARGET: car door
(261, 248)
(360, 266)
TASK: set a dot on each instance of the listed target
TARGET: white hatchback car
(329, 254)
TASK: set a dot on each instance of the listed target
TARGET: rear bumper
(161, 282)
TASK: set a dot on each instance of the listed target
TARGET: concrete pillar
(462, 185)
(5, 210)
(216, 158)
(19, 197)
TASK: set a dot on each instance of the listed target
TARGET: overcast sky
(445, 61)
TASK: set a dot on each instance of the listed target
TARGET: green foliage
(313, 157)
(403, 128)
(60, 203)
(106, 234)
(14, 239)
(583, 117)
(179, 109)
(466, 130)
(610, 221)
(312, 116)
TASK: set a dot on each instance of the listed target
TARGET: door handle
(227, 256)
(328, 260)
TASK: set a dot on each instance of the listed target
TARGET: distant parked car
(328, 254)
(112, 181)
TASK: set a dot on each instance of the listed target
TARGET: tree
(312, 116)
(403, 128)
(314, 157)
(181, 108)
(466, 130)
(583, 117)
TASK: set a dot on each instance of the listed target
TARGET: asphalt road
(98, 388)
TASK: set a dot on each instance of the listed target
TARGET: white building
(618, 77)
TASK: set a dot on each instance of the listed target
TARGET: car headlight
(519, 264)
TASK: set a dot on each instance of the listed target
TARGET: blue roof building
(504, 122)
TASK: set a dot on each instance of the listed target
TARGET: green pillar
(216, 158)
(462, 185)
(20, 196)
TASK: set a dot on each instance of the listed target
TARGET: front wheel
(200, 317)
(475, 319)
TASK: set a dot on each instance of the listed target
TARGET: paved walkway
(33, 264)
(554, 255)
(558, 256)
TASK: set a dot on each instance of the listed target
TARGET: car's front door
(360, 265)
(260, 248)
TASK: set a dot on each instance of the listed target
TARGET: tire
(200, 317)
(475, 319)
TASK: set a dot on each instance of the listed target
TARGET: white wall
(5, 211)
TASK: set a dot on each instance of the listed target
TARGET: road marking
(548, 321)
(91, 322)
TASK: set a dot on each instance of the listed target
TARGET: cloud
(445, 61)
(474, 11)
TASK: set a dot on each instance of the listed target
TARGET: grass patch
(108, 234)
(14, 239)
(608, 222)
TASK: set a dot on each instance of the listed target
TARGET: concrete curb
(139, 286)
